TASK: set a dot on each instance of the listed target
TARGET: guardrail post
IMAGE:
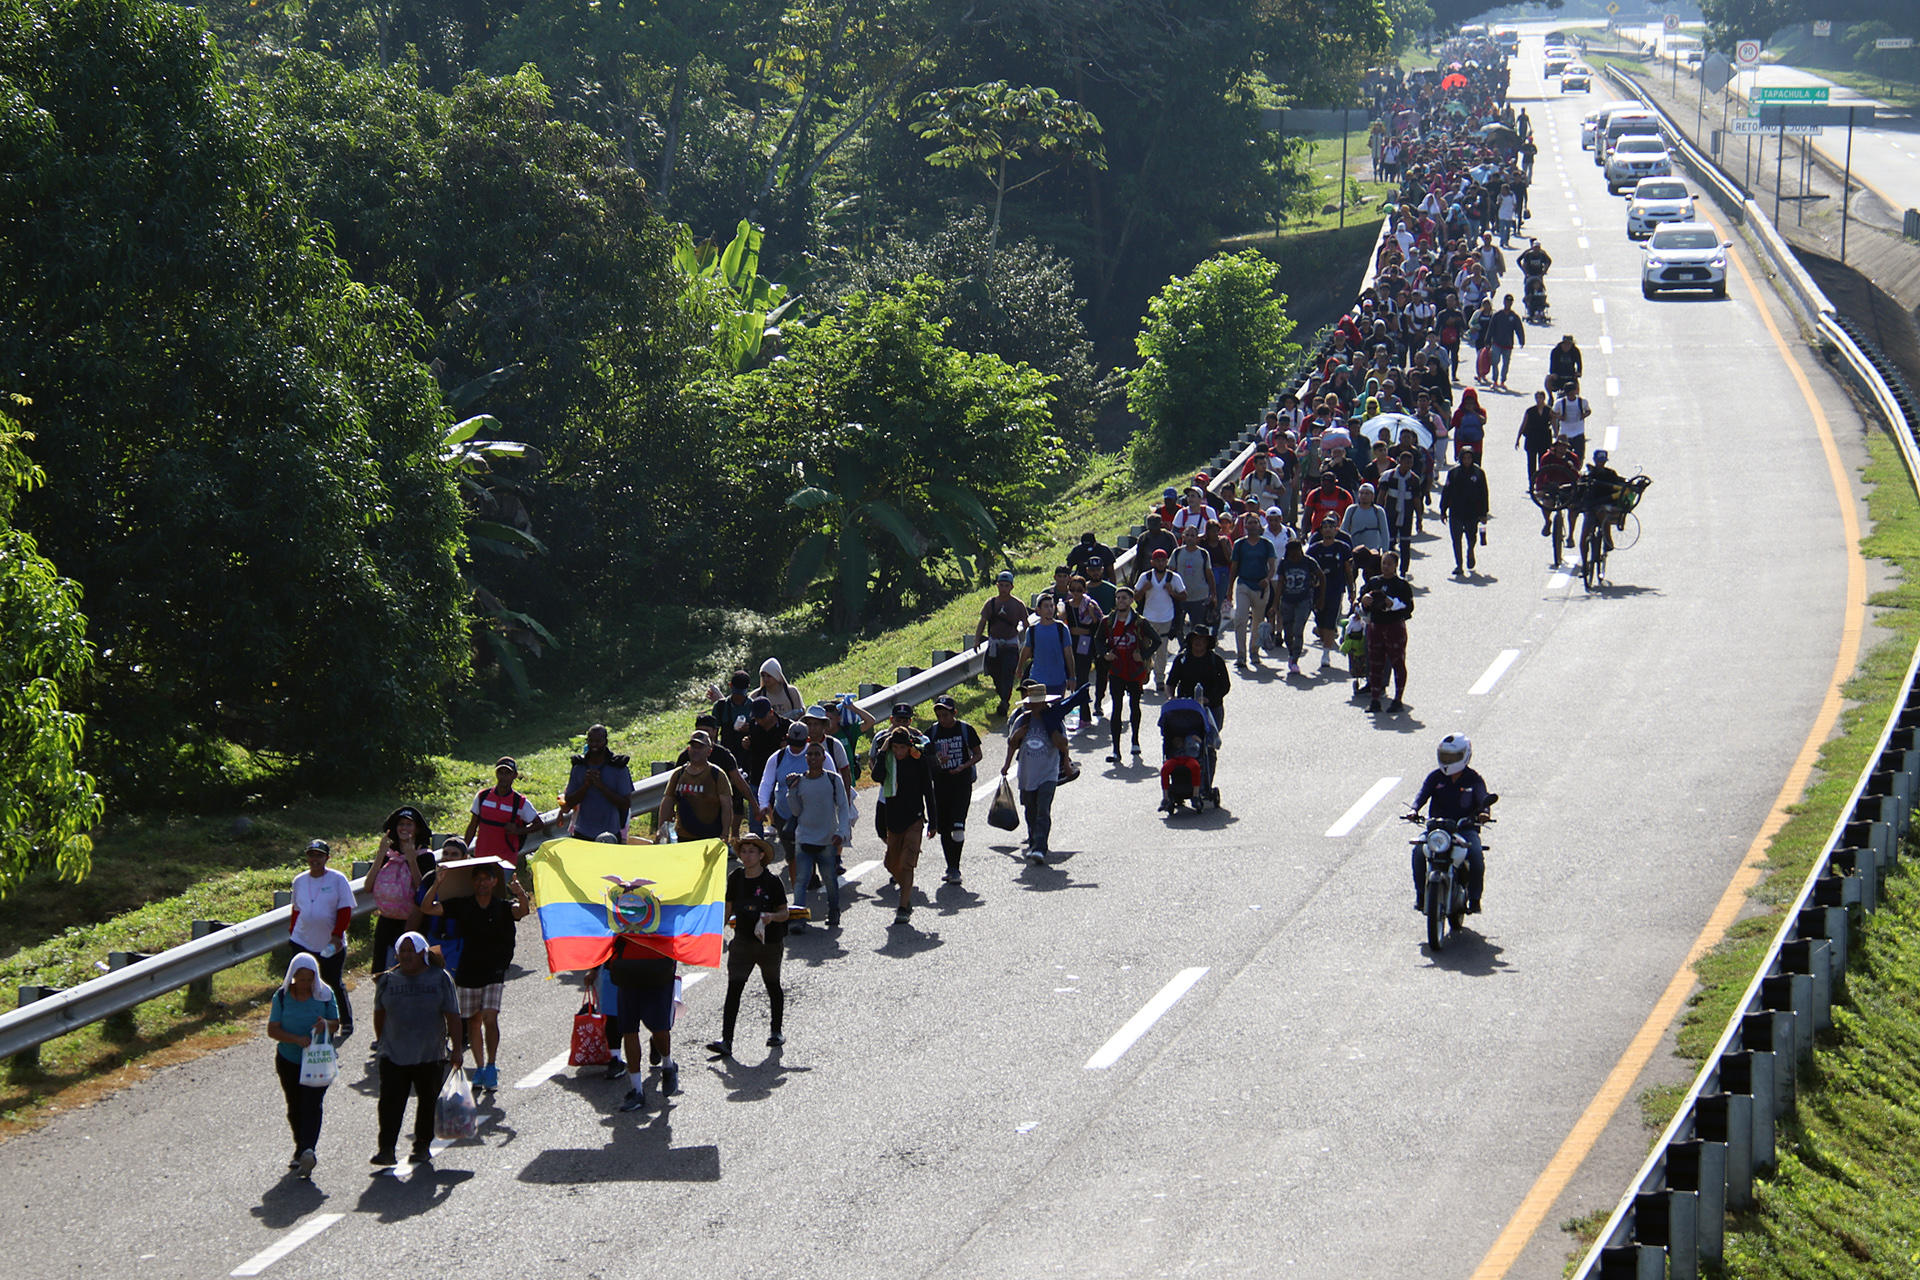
(1814, 958)
(942, 655)
(1833, 921)
(200, 991)
(1768, 1039)
(1877, 836)
(868, 690)
(1727, 1118)
(121, 1026)
(1668, 1218)
(27, 1061)
(1700, 1167)
(1633, 1262)
(903, 674)
(1791, 996)
(1898, 787)
(1863, 867)
(281, 956)
(1126, 542)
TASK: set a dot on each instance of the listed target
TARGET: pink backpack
(393, 889)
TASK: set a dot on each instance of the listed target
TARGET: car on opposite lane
(1656, 201)
(1637, 156)
(1685, 255)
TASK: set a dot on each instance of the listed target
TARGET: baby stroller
(1535, 292)
(1189, 750)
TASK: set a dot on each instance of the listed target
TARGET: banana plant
(863, 533)
(745, 307)
(498, 523)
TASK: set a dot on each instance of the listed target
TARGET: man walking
(322, 910)
(1253, 566)
(1464, 501)
(1001, 618)
(599, 790)
(1503, 331)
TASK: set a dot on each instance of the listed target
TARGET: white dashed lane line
(1142, 1022)
(1613, 389)
(1599, 306)
(1352, 817)
(1606, 344)
(292, 1240)
(1485, 683)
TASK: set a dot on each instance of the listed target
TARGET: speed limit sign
(1671, 22)
(1746, 54)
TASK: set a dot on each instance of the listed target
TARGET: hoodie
(785, 698)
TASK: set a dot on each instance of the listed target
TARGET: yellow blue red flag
(669, 898)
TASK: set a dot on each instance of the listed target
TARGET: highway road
(989, 1092)
(1886, 156)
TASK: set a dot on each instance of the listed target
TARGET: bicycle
(1601, 518)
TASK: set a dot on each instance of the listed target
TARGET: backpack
(393, 889)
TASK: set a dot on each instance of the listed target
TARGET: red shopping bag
(1483, 363)
(589, 1038)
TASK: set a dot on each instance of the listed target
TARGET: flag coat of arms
(669, 898)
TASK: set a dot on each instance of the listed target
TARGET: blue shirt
(296, 1018)
(1052, 645)
(1253, 561)
(597, 814)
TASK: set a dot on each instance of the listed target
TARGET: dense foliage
(1212, 350)
(48, 804)
(240, 441)
(1731, 20)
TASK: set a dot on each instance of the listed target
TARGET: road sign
(1790, 93)
(1746, 54)
(1822, 29)
(1813, 113)
(1894, 42)
(1715, 72)
(1612, 8)
(1747, 124)
(1671, 22)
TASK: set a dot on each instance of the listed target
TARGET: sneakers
(904, 914)
(670, 1080)
(487, 1077)
(1473, 908)
(384, 1158)
(833, 918)
(305, 1162)
(952, 876)
(635, 1099)
(1373, 704)
(1113, 756)
(421, 1155)
(1293, 668)
(1037, 857)
(775, 1040)
(616, 1069)
(720, 1048)
(1394, 705)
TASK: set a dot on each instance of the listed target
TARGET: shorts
(474, 1000)
(644, 998)
(691, 828)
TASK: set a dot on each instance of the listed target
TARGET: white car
(1637, 156)
(1556, 62)
(1656, 201)
(1576, 76)
(1685, 255)
(1591, 122)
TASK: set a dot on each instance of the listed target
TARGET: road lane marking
(1606, 345)
(1578, 223)
(1599, 306)
(987, 788)
(1499, 668)
(294, 1239)
(1593, 272)
(1142, 1022)
(1613, 389)
(1581, 241)
(1613, 1091)
(1351, 818)
(545, 1072)
(857, 870)
(1558, 580)
(1612, 439)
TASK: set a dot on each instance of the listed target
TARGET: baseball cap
(699, 738)
(796, 733)
(816, 712)
(506, 762)
(1169, 492)
(759, 707)
(944, 701)
(1275, 511)
(319, 846)
(1159, 553)
(902, 709)
(1005, 575)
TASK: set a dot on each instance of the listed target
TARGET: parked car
(1655, 202)
(1577, 76)
(1637, 156)
(1685, 255)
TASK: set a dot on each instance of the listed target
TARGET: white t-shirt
(1572, 412)
(318, 899)
(1199, 519)
(1157, 604)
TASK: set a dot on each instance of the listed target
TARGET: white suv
(1685, 255)
(1656, 201)
(1636, 156)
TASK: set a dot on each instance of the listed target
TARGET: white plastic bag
(318, 1061)
(455, 1117)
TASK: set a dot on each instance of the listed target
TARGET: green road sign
(1790, 93)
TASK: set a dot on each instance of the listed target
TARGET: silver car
(1656, 201)
(1636, 156)
(1685, 255)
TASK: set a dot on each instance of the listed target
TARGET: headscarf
(418, 940)
(304, 960)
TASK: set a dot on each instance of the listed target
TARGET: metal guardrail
(1673, 1216)
(56, 1013)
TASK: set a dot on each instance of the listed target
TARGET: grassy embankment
(1847, 1180)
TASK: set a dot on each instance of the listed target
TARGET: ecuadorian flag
(670, 898)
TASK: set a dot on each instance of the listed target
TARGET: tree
(48, 804)
(1212, 350)
(739, 308)
(241, 443)
(894, 463)
(986, 127)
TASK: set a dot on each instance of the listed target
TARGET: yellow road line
(1613, 1091)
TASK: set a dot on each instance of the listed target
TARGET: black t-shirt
(486, 937)
(750, 897)
(726, 711)
(948, 748)
(758, 745)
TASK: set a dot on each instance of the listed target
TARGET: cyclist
(1599, 488)
(1559, 468)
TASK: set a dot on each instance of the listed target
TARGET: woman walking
(757, 905)
(403, 857)
(415, 1017)
(301, 1003)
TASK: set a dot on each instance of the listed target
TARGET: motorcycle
(1444, 899)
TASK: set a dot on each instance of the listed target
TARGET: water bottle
(670, 834)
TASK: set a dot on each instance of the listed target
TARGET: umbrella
(1457, 107)
(1454, 81)
(1393, 424)
(1499, 135)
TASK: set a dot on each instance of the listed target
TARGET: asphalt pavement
(986, 1092)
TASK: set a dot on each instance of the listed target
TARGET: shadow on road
(1623, 590)
(1469, 955)
(394, 1198)
(905, 940)
(287, 1201)
(637, 1152)
(745, 1083)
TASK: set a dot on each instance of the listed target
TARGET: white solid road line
(987, 788)
(1499, 668)
(1581, 241)
(857, 870)
(1593, 272)
(544, 1072)
(294, 1239)
(1351, 818)
(1142, 1022)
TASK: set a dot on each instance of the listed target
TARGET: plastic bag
(1003, 813)
(319, 1063)
(589, 1048)
(454, 1115)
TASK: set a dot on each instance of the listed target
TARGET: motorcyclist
(1200, 672)
(1452, 792)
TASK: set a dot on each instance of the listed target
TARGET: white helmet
(1455, 750)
